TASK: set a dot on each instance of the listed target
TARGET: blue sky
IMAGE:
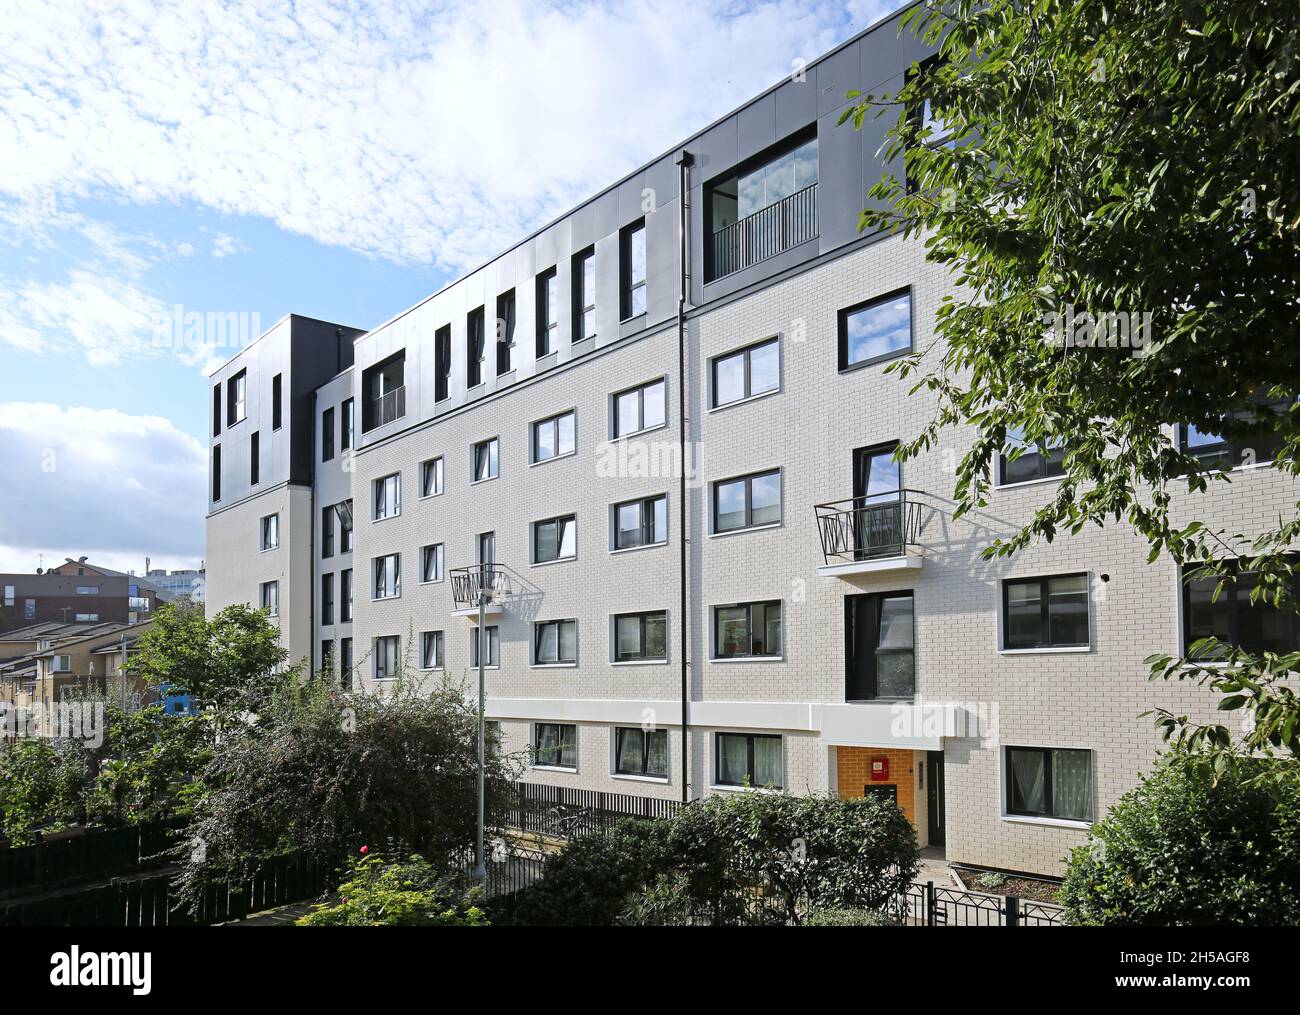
(331, 159)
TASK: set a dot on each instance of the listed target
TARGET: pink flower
(365, 850)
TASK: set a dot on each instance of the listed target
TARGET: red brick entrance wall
(854, 765)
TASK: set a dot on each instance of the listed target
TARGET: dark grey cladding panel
(661, 178)
(661, 263)
(840, 191)
(885, 53)
(837, 74)
(796, 104)
(582, 225)
(756, 127)
(717, 149)
(631, 199)
(606, 208)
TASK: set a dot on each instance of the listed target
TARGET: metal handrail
(766, 233)
(866, 528)
(386, 408)
(467, 582)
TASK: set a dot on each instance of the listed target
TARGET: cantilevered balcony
(868, 535)
(468, 584)
(766, 233)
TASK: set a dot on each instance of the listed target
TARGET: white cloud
(223, 245)
(99, 483)
(414, 132)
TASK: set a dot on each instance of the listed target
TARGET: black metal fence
(931, 905)
(26, 870)
(561, 812)
(765, 233)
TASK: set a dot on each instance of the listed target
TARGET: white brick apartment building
(864, 647)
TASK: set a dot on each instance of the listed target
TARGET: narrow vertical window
(442, 363)
(633, 270)
(255, 459)
(548, 308)
(475, 348)
(505, 332)
(276, 401)
(327, 435)
(584, 295)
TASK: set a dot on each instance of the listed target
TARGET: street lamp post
(480, 867)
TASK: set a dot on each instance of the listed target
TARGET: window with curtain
(431, 657)
(492, 636)
(555, 745)
(555, 539)
(387, 657)
(431, 563)
(748, 759)
(486, 461)
(641, 637)
(388, 496)
(555, 641)
(505, 332)
(747, 630)
(1049, 782)
(431, 477)
(641, 752)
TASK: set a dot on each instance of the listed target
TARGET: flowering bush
(398, 893)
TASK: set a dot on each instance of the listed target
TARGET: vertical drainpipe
(684, 161)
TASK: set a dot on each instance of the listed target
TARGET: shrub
(1183, 849)
(398, 893)
(852, 918)
(41, 786)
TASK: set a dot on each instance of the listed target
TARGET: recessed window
(388, 657)
(876, 331)
(431, 477)
(88, 590)
(384, 388)
(216, 472)
(345, 663)
(327, 532)
(548, 312)
(327, 656)
(641, 752)
(1034, 462)
(747, 502)
(442, 363)
(61, 664)
(431, 563)
(1251, 443)
(641, 637)
(270, 598)
(505, 332)
(746, 373)
(216, 410)
(431, 650)
(270, 532)
(475, 347)
(1049, 612)
(1049, 783)
(277, 402)
(388, 496)
(254, 459)
(345, 596)
(237, 398)
(555, 539)
(555, 437)
(640, 408)
(880, 657)
(747, 631)
(387, 576)
(1232, 618)
(492, 636)
(584, 295)
(748, 759)
(485, 462)
(327, 435)
(642, 522)
(344, 510)
(555, 641)
(632, 269)
(555, 745)
(349, 423)
(86, 618)
(327, 599)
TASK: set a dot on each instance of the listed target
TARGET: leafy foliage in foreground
(398, 893)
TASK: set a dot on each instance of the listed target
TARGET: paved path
(282, 917)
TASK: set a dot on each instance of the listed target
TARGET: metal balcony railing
(468, 582)
(766, 233)
(384, 409)
(866, 528)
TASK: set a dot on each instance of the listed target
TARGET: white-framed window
(492, 635)
(555, 437)
(485, 462)
(388, 657)
(745, 373)
(85, 618)
(61, 664)
(641, 752)
(747, 630)
(1049, 782)
(431, 650)
(641, 637)
(388, 496)
(640, 522)
(747, 502)
(387, 576)
(644, 407)
(432, 563)
(270, 532)
(555, 642)
(9, 595)
(270, 598)
(431, 477)
(555, 539)
(555, 745)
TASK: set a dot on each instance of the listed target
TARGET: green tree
(1115, 157)
(234, 660)
(321, 771)
(41, 785)
(149, 765)
(1183, 848)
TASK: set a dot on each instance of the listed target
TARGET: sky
(332, 159)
